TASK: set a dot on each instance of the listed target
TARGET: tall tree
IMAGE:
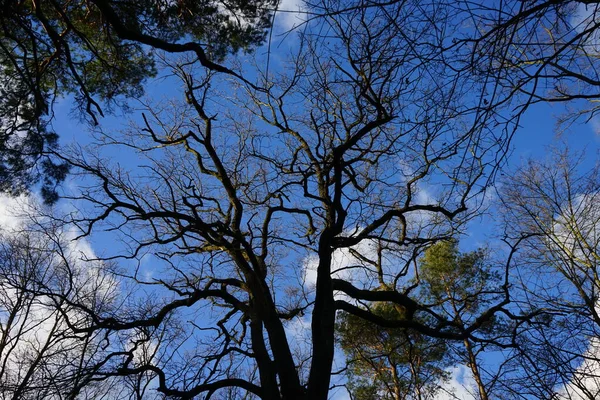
(242, 187)
(401, 364)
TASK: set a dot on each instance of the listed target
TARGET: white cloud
(574, 237)
(459, 387)
(14, 211)
(290, 14)
(38, 328)
(299, 337)
(594, 123)
(584, 18)
(346, 265)
(585, 383)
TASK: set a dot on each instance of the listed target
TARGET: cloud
(575, 235)
(23, 213)
(585, 383)
(573, 238)
(586, 17)
(347, 265)
(290, 14)
(14, 211)
(594, 122)
(459, 387)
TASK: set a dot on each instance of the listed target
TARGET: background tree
(553, 204)
(390, 363)
(40, 355)
(401, 364)
(461, 285)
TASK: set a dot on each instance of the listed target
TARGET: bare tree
(366, 143)
(40, 355)
(527, 52)
(552, 205)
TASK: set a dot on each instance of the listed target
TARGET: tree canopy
(287, 223)
(99, 52)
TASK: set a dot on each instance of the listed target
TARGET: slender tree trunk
(475, 369)
(473, 365)
(397, 391)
